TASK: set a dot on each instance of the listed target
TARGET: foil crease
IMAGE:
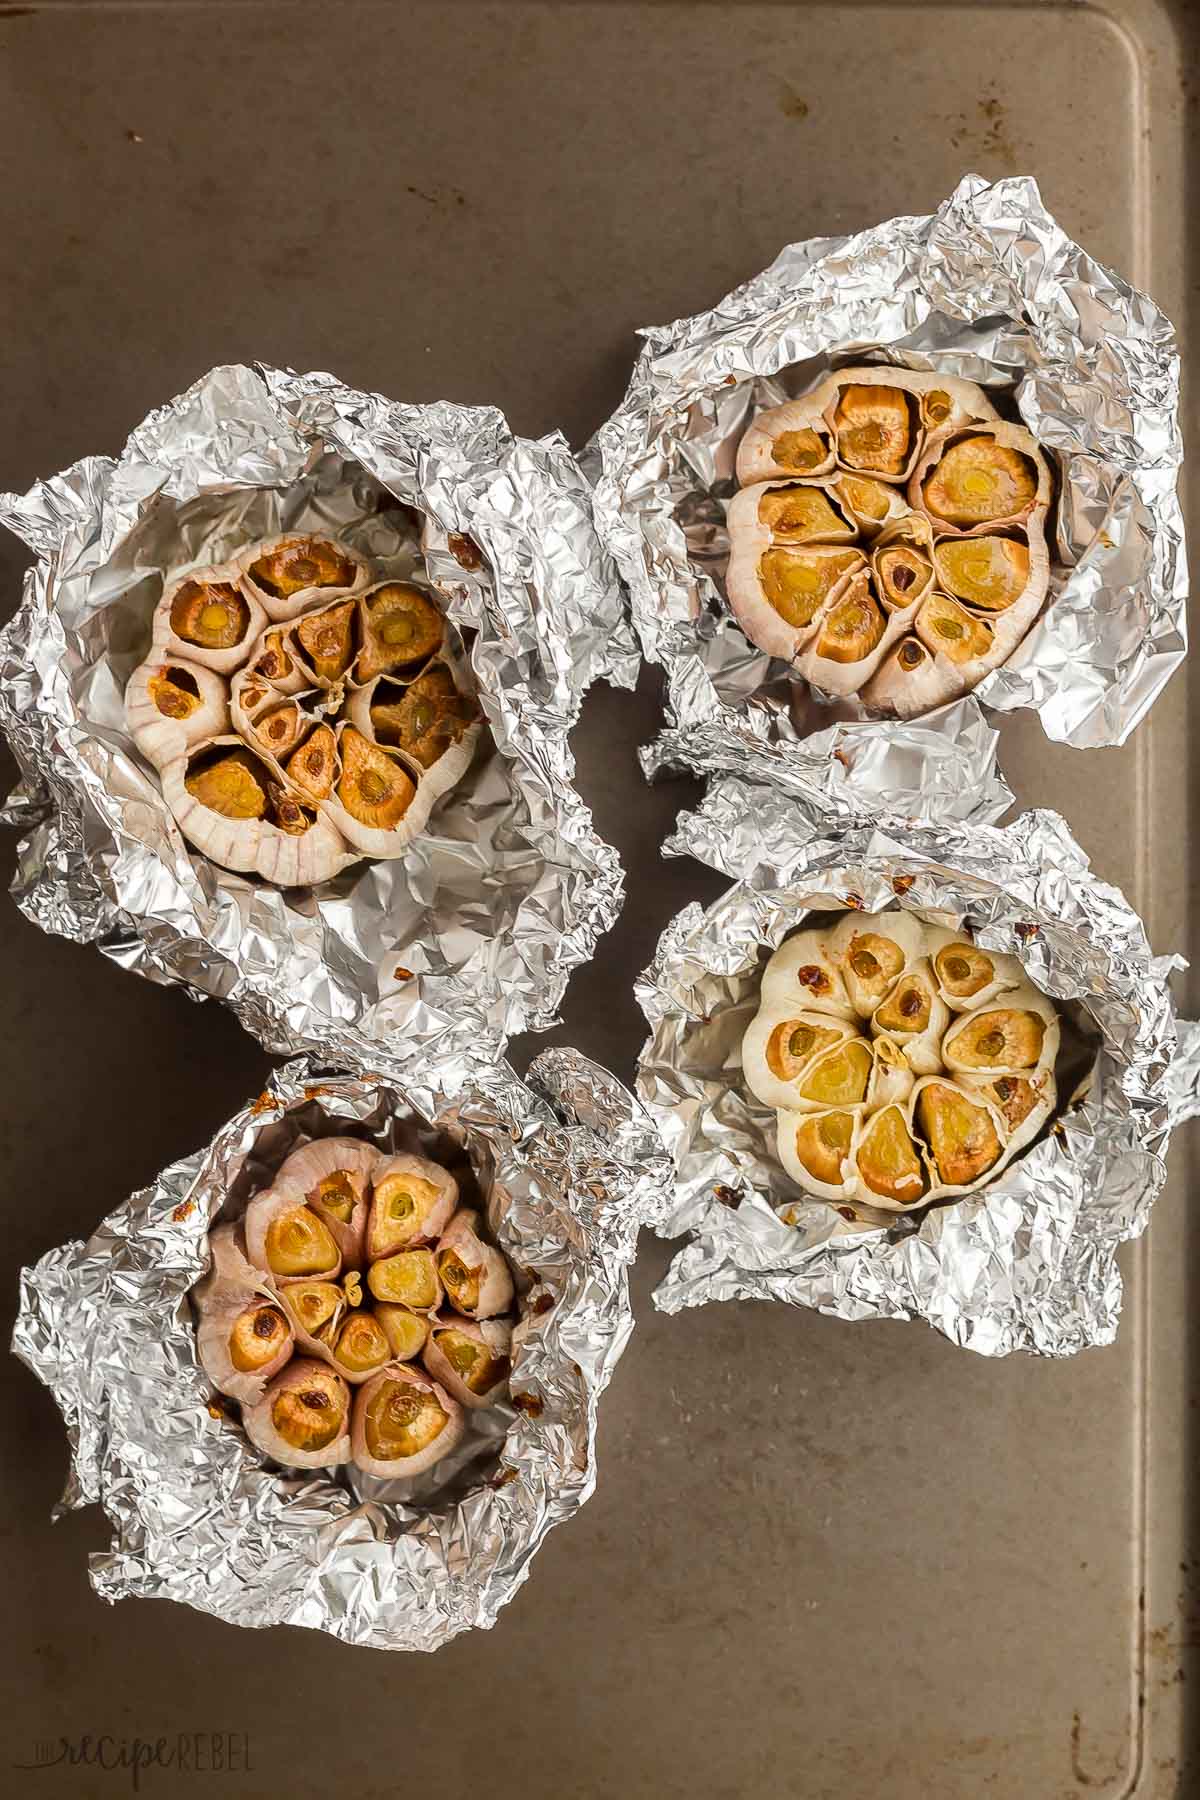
(989, 288)
(471, 936)
(1029, 1262)
(570, 1165)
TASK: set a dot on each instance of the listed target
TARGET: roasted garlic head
(347, 1269)
(905, 1063)
(889, 538)
(300, 714)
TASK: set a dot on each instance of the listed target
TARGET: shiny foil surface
(469, 937)
(1029, 1261)
(568, 1166)
(988, 288)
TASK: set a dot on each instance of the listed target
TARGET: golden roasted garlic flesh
(408, 1278)
(852, 629)
(799, 515)
(212, 615)
(310, 1416)
(326, 640)
(800, 451)
(400, 626)
(1000, 1038)
(257, 1337)
(313, 1303)
(311, 768)
(988, 572)
(461, 1282)
(908, 1008)
(874, 429)
(406, 1332)
(402, 1420)
(305, 562)
(279, 729)
(840, 1076)
(795, 1043)
(431, 716)
(943, 625)
(823, 1144)
(978, 480)
(961, 1136)
(175, 692)
(362, 1344)
(797, 582)
(298, 1243)
(273, 662)
(888, 1160)
(902, 574)
(869, 500)
(474, 1364)
(401, 1205)
(374, 789)
(963, 970)
(233, 784)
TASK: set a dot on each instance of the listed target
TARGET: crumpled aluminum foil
(1029, 1263)
(472, 935)
(570, 1166)
(989, 288)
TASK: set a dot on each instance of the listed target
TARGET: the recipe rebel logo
(184, 1753)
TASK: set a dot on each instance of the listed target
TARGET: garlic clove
(332, 1176)
(303, 1417)
(403, 1423)
(471, 1361)
(779, 1045)
(889, 1162)
(1016, 1032)
(968, 976)
(406, 1331)
(286, 1239)
(915, 1016)
(325, 640)
(208, 618)
(400, 627)
(875, 428)
(407, 1278)
(816, 1150)
(871, 951)
(412, 1202)
(802, 975)
(960, 1131)
(288, 574)
(172, 704)
(474, 1274)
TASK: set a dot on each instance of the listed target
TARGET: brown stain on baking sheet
(791, 104)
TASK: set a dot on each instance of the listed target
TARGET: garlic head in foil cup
(290, 692)
(910, 1071)
(275, 1443)
(872, 407)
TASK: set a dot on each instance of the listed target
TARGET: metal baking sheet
(941, 1577)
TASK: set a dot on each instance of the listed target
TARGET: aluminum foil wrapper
(472, 935)
(988, 288)
(569, 1166)
(1029, 1262)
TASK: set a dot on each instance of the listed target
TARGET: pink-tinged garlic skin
(496, 1337)
(487, 1264)
(279, 609)
(301, 1375)
(261, 1213)
(300, 1178)
(230, 1286)
(381, 1237)
(222, 662)
(815, 411)
(402, 1466)
(160, 738)
(802, 974)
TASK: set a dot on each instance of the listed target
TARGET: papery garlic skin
(928, 1098)
(493, 1335)
(304, 1377)
(491, 1283)
(399, 1377)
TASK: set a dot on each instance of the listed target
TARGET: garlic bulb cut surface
(905, 1064)
(299, 716)
(889, 537)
